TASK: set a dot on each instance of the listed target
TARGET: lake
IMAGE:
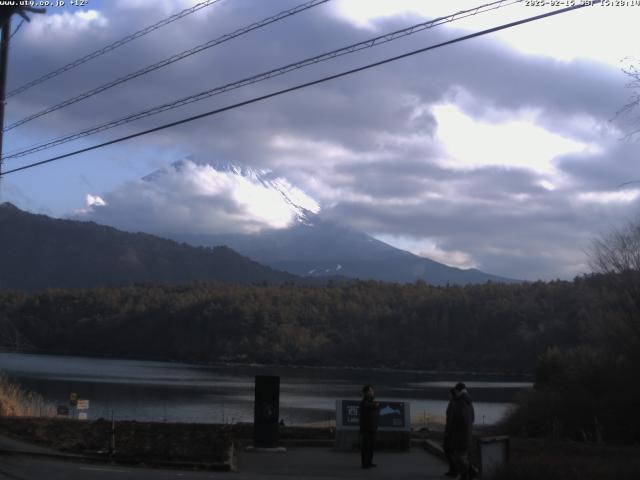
(179, 392)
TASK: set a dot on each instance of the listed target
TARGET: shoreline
(378, 369)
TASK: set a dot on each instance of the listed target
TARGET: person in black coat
(368, 425)
(449, 450)
(461, 418)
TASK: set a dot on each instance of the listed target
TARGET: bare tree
(11, 339)
(617, 251)
(630, 110)
(616, 255)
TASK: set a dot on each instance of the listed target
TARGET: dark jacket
(461, 420)
(368, 415)
(448, 427)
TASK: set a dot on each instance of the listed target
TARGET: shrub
(14, 401)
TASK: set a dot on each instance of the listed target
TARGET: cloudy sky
(503, 152)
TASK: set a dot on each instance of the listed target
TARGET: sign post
(82, 407)
(73, 402)
(266, 411)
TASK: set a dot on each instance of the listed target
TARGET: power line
(168, 61)
(16, 30)
(112, 46)
(304, 85)
(628, 183)
(265, 76)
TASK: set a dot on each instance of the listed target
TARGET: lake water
(178, 392)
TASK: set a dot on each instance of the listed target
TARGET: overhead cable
(372, 42)
(111, 46)
(304, 85)
(168, 61)
(17, 28)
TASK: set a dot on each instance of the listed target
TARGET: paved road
(324, 463)
(22, 467)
(8, 443)
(297, 463)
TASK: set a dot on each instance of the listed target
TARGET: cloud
(476, 154)
(91, 202)
(189, 197)
(65, 26)
(615, 164)
(502, 220)
(164, 6)
(369, 14)
(430, 248)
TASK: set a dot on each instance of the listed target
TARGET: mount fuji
(306, 244)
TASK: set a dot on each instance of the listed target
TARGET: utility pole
(4, 57)
(5, 23)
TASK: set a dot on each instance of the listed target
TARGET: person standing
(368, 425)
(448, 447)
(462, 417)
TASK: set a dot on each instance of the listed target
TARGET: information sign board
(391, 415)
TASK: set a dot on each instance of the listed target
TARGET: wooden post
(4, 57)
(5, 23)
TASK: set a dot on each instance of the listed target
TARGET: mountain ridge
(42, 252)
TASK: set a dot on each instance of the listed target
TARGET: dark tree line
(478, 327)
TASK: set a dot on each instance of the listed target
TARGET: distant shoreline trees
(488, 327)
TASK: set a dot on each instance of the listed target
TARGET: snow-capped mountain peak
(301, 204)
(264, 199)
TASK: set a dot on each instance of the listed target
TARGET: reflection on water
(174, 392)
(474, 384)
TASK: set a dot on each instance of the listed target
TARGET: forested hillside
(478, 327)
(42, 252)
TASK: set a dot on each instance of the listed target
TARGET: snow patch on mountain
(266, 194)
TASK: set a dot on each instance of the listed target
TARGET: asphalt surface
(324, 463)
(11, 444)
(24, 467)
(298, 463)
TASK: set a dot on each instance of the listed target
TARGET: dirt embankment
(185, 442)
(209, 445)
(132, 440)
